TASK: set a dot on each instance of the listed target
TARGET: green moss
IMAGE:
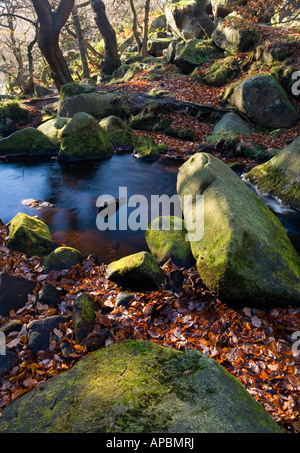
(28, 141)
(29, 235)
(228, 256)
(166, 239)
(145, 148)
(62, 258)
(73, 89)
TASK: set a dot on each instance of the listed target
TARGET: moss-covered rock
(159, 44)
(166, 239)
(231, 123)
(231, 38)
(73, 89)
(194, 53)
(95, 104)
(29, 142)
(139, 387)
(264, 101)
(280, 175)
(139, 271)
(113, 123)
(238, 226)
(145, 148)
(84, 316)
(83, 139)
(30, 236)
(221, 72)
(62, 258)
(123, 139)
(52, 129)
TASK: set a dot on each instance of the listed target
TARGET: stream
(75, 188)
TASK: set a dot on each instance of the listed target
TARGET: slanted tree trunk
(111, 56)
(203, 18)
(81, 43)
(50, 25)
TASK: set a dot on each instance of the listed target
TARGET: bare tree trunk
(203, 18)
(30, 83)
(135, 27)
(50, 25)
(146, 26)
(81, 43)
(111, 57)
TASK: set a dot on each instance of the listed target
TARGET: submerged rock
(245, 256)
(138, 271)
(145, 148)
(83, 139)
(166, 239)
(280, 176)
(30, 236)
(139, 387)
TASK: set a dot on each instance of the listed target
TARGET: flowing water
(74, 189)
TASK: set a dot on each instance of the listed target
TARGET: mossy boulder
(244, 255)
(231, 38)
(113, 123)
(221, 72)
(73, 89)
(139, 271)
(231, 123)
(159, 44)
(194, 53)
(264, 102)
(83, 139)
(95, 104)
(62, 258)
(30, 236)
(12, 113)
(280, 175)
(52, 129)
(139, 387)
(145, 148)
(181, 20)
(84, 316)
(28, 142)
(166, 239)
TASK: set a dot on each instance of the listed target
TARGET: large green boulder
(138, 271)
(166, 239)
(280, 175)
(30, 236)
(264, 102)
(52, 129)
(83, 139)
(244, 255)
(95, 104)
(29, 142)
(139, 387)
(61, 258)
